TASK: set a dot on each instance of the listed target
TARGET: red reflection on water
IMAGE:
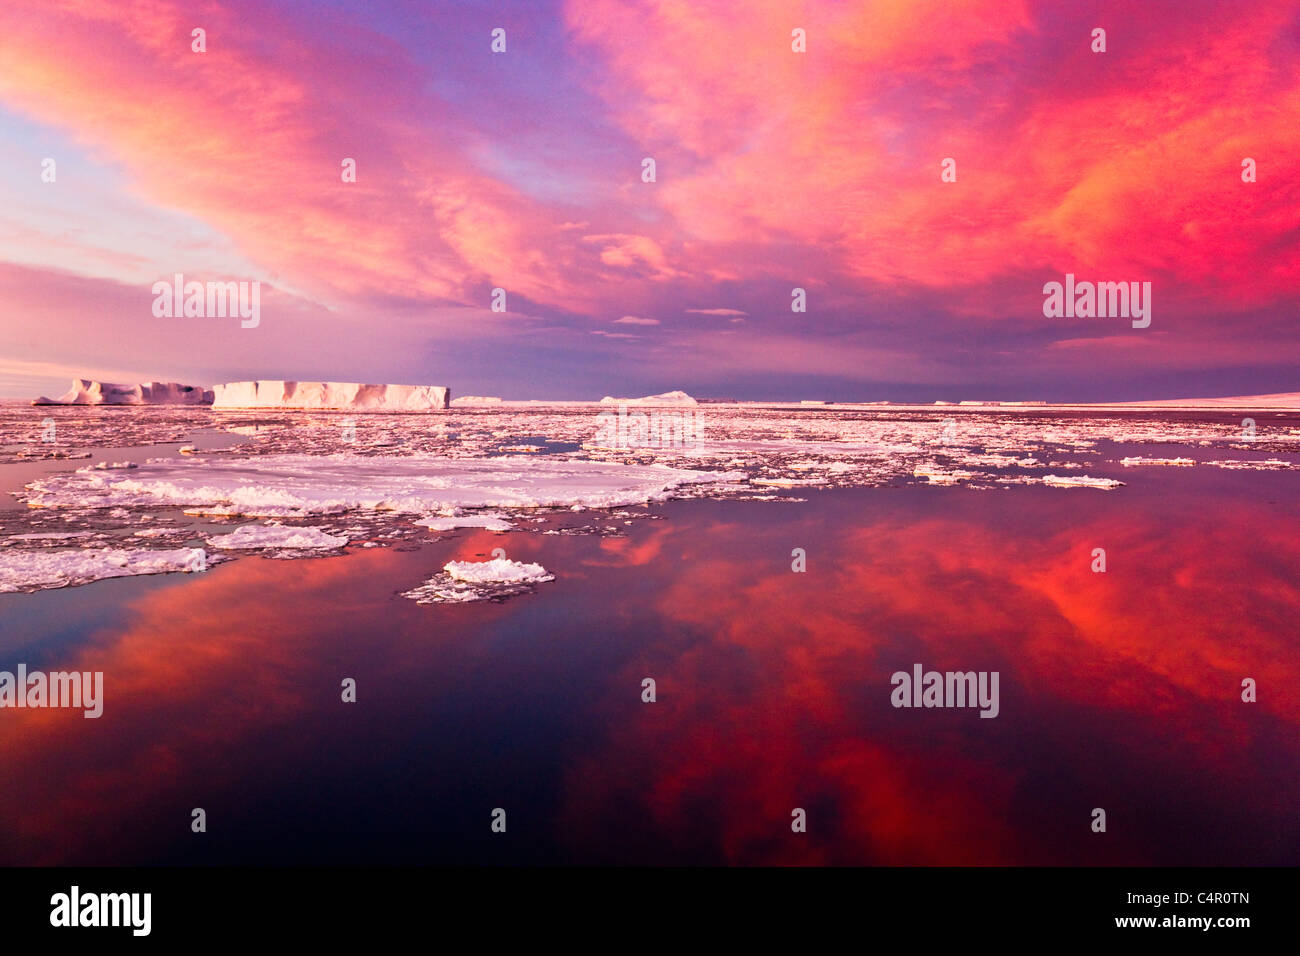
(1119, 690)
(206, 668)
(773, 690)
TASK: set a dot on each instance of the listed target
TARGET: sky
(775, 169)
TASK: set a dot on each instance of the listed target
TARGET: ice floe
(489, 522)
(1080, 481)
(258, 536)
(321, 484)
(462, 581)
(936, 476)
(1262, 464)
(36, 570)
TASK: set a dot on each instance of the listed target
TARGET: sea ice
(1180, 462)
(293, 467)
(35, 570)
(256, 536)
(1264, 464)
(490, 522)
(50, 535)
(321, 484)
(497, 571)
(1080, 481)
(462, 581)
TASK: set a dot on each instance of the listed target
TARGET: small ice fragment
(496, 571)
(490, 522)
(252, 536)
(1080, 481)
(1180, 462)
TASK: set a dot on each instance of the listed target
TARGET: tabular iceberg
(331, 396)
(87, 392)
(665, 398)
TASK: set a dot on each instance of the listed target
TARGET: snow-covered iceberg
(476, 400)
(351, 396)
(89, 392)
(664, 398)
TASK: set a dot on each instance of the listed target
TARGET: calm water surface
(1118, 690)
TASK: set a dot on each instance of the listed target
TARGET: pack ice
(296, 484)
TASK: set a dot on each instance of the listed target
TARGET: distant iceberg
(666, 398)
(87, 392)
(349, 396)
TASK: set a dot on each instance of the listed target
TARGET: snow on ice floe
(257, 536)
(1263, 464)
(16, 455)
(1079, 481)
(491, 522)
(324, 484)
(497, 571)
(37, 570)
(1138, 460)
(51, 535)
(937, 476)
(784, 482)
(462, 581)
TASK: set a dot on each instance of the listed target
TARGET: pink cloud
(1114, 162)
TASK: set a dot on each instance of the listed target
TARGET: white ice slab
(463, 581)
(258, 536)
(323, 484)
(36, 570)
(497, 571)
(490, 522)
